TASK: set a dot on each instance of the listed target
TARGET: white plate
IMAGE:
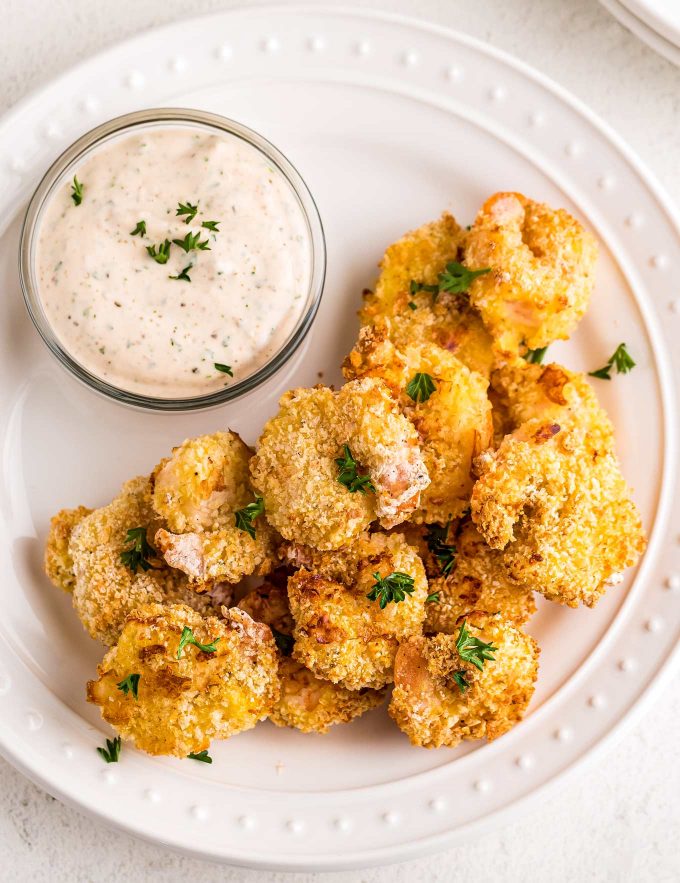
(657, 31)
(389, 121)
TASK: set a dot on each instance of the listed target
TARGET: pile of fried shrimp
(384, 541)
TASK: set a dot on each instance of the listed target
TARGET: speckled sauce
(119, 313)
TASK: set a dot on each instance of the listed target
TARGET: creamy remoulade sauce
(117, 311)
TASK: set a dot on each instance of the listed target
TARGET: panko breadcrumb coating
(416, 317)
(543, 271)
(197, 491)
(58, 560)
(305, 701)
(428, 703)
(184, 703)
(552, 496)
(454, 424)
(478, 580)
(105, 589)
(296, 472)
(340, 634)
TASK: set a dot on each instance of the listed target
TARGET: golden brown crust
(543, 271)
(184, 703)
(58, 560)
(430, 707)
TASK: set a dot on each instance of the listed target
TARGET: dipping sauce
(178, 249)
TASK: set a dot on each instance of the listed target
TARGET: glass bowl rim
(106, 131)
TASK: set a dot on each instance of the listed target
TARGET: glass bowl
(64, 167)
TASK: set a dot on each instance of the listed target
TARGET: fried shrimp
(418, 316)
(198, 491)
(105, 589)
(441, 698)
(305, 702)
(58, 560)
(340, 633)
(543, 271)
(186, 694)
(453, 420)
(477, 580)
(309, 498)
(552, 496)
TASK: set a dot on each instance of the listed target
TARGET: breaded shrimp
(305, 701)
(342, 635)
(105, 589)
(58, 560)
(477, 580)
(182, 703)
(430, 701)
(543, 271)
(552, 496)
(417, 317)
(296, 467)
(454, 423)
(197, 491)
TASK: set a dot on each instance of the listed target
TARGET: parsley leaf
(246, 516)
(140, 229)
(415, 287)
(473, 650)
(211, 225)
(432, 598)
(162, 254)
(394, 588)
(203, 756)
(421, 387)
(456, 279)
(284, 642)
(187, 637)
(112, 751)
(183, 275)
(130, 684)
(349, 476)
(620, 359)
(192, 242)
(76, 191)
(412, 305)
(535, 357)
(445, 553)
(225, 369)
(141, 551)
(459, 678)
(186, 208)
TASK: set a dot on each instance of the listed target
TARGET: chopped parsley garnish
(459, 678)
(140, 552)
(246, 516)
(444, 552)
(130, 684)
(535, 357)
(140, 229)
(160, 253)
(620, 359)
(192, 242)
(225, 369)
(112, 751)
(183, 274)
(455, 279)
(393, 588)
(349, 476)
(188, 638)
(284, 642)
(203, 756)
(76, 191)
(421, 387)
(188, 210)
(473, 650)
(432, 598)
(412, 305)
(211, 225)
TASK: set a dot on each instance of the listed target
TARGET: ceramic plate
(655, 22)
(390, 121)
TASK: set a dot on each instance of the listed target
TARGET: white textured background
(617, 821)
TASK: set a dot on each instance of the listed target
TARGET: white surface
(653, 819)
(641, 26)
(662, 15)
